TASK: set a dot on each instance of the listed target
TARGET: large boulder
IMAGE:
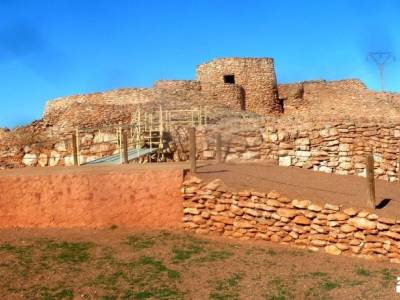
(43, 159)
(30, 159)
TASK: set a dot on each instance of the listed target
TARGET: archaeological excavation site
(232, 153)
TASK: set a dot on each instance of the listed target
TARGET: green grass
(279, 288)
(56, 294)
(167, 265)
(162, 293)
(324, 285)
(387, 277)
(184, 253)
(299, 252)
(66, 252)
(328, 284)
(271, 252)
(157, 266)
(22, 253)
(227, 289)
(108, 281)
(140, 242)
(146, 276)
(318, 274)
(354, 282)
(215, 256)
(362, 272)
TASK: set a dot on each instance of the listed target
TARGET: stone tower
(255, 75)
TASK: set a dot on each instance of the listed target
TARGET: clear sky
(54, 48)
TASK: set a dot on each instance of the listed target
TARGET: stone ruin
(326, 126)
(247, 84)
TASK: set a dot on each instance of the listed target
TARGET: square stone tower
(255, 75)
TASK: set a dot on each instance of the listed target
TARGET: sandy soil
(350, 191)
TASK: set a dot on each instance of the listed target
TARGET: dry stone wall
(339, 148)
(336, 100)
(117, 106)
(255, 75)
(213, 208)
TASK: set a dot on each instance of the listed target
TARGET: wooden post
(74, 149)
(370, 181)
(121, 158)
(192, 149)
(169, 121)
(125, 146)
(161, 129)
(199, 116)
(218, 148)
(151, 131)
(77, 141)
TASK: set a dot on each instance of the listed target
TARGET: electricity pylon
(380, 59)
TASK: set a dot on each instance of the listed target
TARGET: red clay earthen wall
(213, 208)
(255, 75)
(127, 198)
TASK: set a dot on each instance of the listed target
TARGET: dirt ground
(119, 264)
(350, 191)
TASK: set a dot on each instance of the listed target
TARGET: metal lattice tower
(380, 59)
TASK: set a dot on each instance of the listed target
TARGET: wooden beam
(192, 149)
(218, 148)
(74, 149)
(370, 182)
(78, 145)
(119, 133)
(125, 146)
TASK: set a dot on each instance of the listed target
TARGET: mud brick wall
(211, 208)
(255, 75)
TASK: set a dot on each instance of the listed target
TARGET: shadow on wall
(242, 99)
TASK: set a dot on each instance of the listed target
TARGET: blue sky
(54, 48)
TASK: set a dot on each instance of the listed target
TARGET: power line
(380, 59)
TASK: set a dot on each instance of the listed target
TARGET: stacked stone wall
(113, 97)
(230, 95)
(255, 75)
(177, 85)
(212, 208)
(339, 148)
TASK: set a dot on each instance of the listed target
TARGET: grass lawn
(118, 264)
